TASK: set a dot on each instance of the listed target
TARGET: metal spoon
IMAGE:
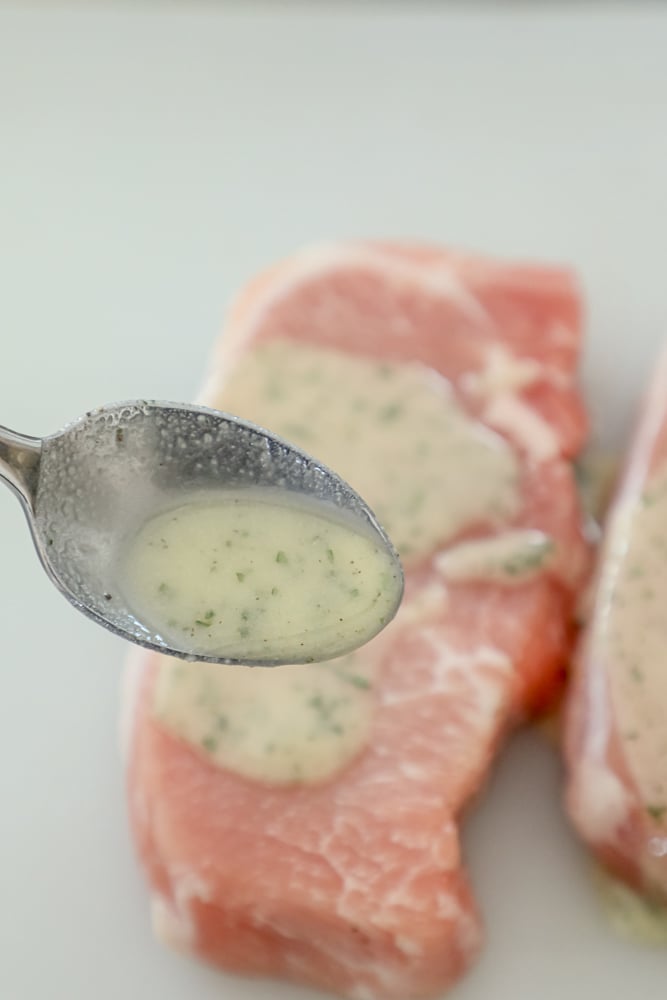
(81, 487)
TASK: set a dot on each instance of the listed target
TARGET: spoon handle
(19, 464)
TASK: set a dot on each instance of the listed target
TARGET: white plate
(151, 161)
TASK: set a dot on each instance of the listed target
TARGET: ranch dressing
(635, 918)
(630, 633)
(290, 725)
(510, 558)
(398, 435)
(246, 577)
(395, 432)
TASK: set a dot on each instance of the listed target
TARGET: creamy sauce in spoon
(256, 578)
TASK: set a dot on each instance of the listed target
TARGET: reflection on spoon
(203, 536)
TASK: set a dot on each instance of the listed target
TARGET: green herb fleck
(321, 706)
(528, 560)
(357, 681)
(240, 577)
(274, 591)
(207, 619)
(416, 502)
(281, 557)
(390, 412)
(210, 744)
(656, 812)
(330, 555)
(163, 588)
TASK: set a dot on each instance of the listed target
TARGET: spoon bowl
(89, 486)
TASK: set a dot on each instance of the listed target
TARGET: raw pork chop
(616, 735)
(352, 879)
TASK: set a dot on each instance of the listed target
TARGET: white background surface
(152, 158)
